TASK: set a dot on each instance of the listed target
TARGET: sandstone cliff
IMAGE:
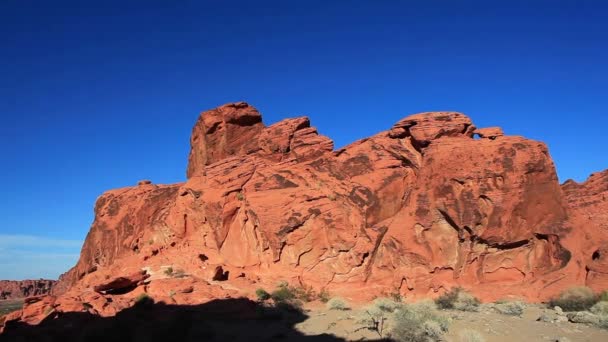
(431, 203)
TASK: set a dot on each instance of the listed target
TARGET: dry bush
(600, 308)
(578, 298)
(418, 323)
(457, 298)
(338, 303)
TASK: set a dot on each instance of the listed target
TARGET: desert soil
(494, 327)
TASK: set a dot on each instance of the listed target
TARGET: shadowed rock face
(417, 209)
(12, 289)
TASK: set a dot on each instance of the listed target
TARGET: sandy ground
(493, 326)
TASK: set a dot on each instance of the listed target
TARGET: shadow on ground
(219, 320)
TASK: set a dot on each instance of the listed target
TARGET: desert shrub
(283, 293)
(510, 308)
(603, 296)
(386, 304)
(374, 316)
(143, 298)
(168, 271)
(469, 335)
(578, 298)
(337, 303)
(457, 298)
(600, 308)
(324, 296)
(304, 293)
(285, 299)
(262, 295)
(418, 323)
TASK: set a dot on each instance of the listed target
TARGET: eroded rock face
(11, 289)
(417, 209)
(588, 204)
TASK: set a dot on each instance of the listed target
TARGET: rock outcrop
(417, 209)
(13, 289)
(588, 204)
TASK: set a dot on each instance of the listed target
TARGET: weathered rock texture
(12, 289)
(417, 209)
(588, 203)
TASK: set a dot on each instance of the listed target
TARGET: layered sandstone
(417, 209)
(13, 289)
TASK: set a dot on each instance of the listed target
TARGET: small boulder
(583, 317)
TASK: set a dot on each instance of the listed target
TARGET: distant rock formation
(427, 205)
(13, 289)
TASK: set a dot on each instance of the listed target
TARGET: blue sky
(96, 95)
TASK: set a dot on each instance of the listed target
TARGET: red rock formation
(12, 289)
(416, 209)
(588, 203)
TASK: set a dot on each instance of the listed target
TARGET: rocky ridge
(431, 203)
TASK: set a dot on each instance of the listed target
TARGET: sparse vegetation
(240, 196)
(262, 295)
(510, 308)
(386, 304)
(600, 308)
(469, 335)
(324, 295)
(337, 303)
(285, 292)
(168, 271)
(7, 306)
(603, 296)
(459, 299)
(86, 306)
(143, 298)
(578, 298)
(284, 297)
(418, 323)
(375, 315)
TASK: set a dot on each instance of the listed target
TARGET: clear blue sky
(96, 95)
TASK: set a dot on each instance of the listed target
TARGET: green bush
(418, 323)
(457, 298)
(578, 298)
(283, 293)
(603, 296)
(143, 299)
(262, 295)
(337, 304)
